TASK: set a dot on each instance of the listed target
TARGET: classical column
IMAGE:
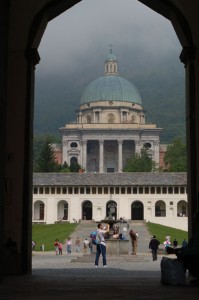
(120, 164)
(101, 156)
(84, 154)
(138, 145)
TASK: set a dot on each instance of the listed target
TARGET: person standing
(167, 244)
(153, 245)
(68, 246)
(101, 246)
(56, 244)
(175, 244)
(184, 244)
(85, 243)
(77, 245)
(134, 239)
(60, 247)
(90, 246)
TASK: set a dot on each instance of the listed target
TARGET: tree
(75, 167)
(176, 156)
(140, 163)
(45, 161)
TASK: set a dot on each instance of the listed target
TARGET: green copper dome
(111, 88)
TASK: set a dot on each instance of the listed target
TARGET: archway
(137, 210)
(62, 210)
(182, 208)
(111, 210)
(87, 210)
(39, 211)
(160, 208)
(20, 176)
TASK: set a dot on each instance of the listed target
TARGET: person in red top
(56, 244)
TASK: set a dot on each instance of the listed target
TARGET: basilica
(110, 126)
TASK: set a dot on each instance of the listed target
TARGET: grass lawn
(162, 231)
(47, 234)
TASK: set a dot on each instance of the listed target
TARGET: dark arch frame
(39, 23)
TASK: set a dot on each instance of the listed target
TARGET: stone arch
(182, 208)
(137, 210)
(111, 210)
(22, 176)
(38, 211)
(87, 210)
(160, 208)
(62, 210)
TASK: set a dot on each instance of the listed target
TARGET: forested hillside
(160, 83)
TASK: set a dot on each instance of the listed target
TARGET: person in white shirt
(101, 246)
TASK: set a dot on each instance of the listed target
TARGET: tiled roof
(109, 179)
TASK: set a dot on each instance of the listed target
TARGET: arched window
(35, 191)
(93, 190)
(140, 190)
(170, 190)
(146, 189)
(182, 190)
(88, 119)
(117, 190)
(100, 190)
(152, 190)
(47, 190)
(128, 190)
(81, 190)
(73, 145)
(134, 190)
(158, 190)
(111, 118)
(111, 190)
(164, 190)
(70, 190)
(176, 190)
(123, 190)
(105, 190)
(88, 191)
(64, 190)
(62, 210)
(58, 190)
(76, 190)
(41, 190)
(52, 190)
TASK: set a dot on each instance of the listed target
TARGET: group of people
(58, 246)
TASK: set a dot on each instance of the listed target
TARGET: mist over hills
(160, 81)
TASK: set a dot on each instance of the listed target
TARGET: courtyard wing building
(153, 197)
(110, 125)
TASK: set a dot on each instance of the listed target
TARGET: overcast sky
(83, 34)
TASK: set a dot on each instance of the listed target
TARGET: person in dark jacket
(153, 245)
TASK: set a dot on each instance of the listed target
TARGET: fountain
(117, 241)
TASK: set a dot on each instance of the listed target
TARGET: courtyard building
(152, 197)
